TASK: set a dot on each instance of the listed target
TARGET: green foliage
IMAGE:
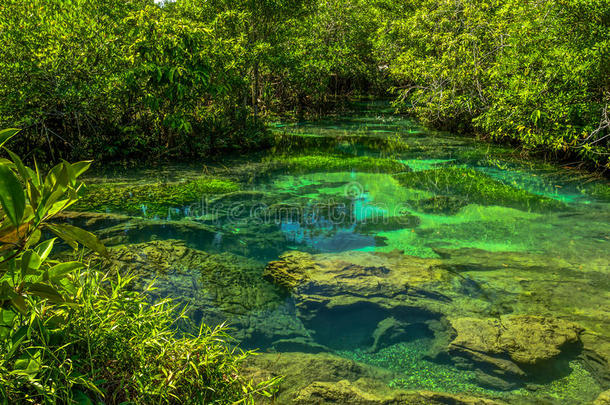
(120, 79)
(535, 73)
(476, 187)
(599, 190)
(111, 344)
(29, 201)
(69, 333)
(151, 199)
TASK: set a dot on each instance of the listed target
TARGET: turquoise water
(542, 249)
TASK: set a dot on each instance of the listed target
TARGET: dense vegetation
(71, 331)
(534, 72)
(118, 79)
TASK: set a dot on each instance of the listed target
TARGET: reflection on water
(541, 250)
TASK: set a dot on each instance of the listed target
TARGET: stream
(431, 261)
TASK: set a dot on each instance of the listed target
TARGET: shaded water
(371, 193)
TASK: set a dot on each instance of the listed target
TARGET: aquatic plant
(70, 333)
(600, 190)
(440, 204)
(287, 141)
(150, 200)
(476, 187)
(336, 163)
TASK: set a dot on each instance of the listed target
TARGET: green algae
(476, 187)
(150, 200)
(418, 165)
(336, 163)
(440, 204)
(390, 142)
(414, 371)
(600, 191)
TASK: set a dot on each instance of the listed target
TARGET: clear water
(557, 260)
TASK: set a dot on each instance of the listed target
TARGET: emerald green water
(542, 248)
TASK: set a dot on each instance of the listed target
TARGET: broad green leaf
(19, 304)
(21, 168)
(63, 235)
(45, 248)
(80, 167)
(58, 271)
(30, 260)
(7, 134)
(27, 364)
(72, 234)
(44, 291)
(11, 195)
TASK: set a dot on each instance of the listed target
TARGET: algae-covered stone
(476, 187)
(216, 286)
(326, 378)
(343, 299)
(346, 392)
(513, 344)
(603, 398)
(290, 269)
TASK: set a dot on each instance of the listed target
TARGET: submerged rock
(289, 270)
(345, 392)
(361, 299)
(217, 288)
(513, 345)
(370, 300)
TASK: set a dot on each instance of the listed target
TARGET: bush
(112, 345)
(69, 333)
(535, 73)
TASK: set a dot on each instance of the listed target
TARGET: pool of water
(450, 265)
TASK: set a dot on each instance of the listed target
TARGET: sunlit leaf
(72, 234)
(7, 134)
(11, 195)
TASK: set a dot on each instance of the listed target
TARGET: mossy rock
(476, 187)
(289, 270)
(336, 163)
(150, 200)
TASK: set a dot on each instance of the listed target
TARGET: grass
(113, 346)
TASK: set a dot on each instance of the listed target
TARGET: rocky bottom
(386, 328)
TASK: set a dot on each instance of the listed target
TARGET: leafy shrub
(535, 73)
(69, 333)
